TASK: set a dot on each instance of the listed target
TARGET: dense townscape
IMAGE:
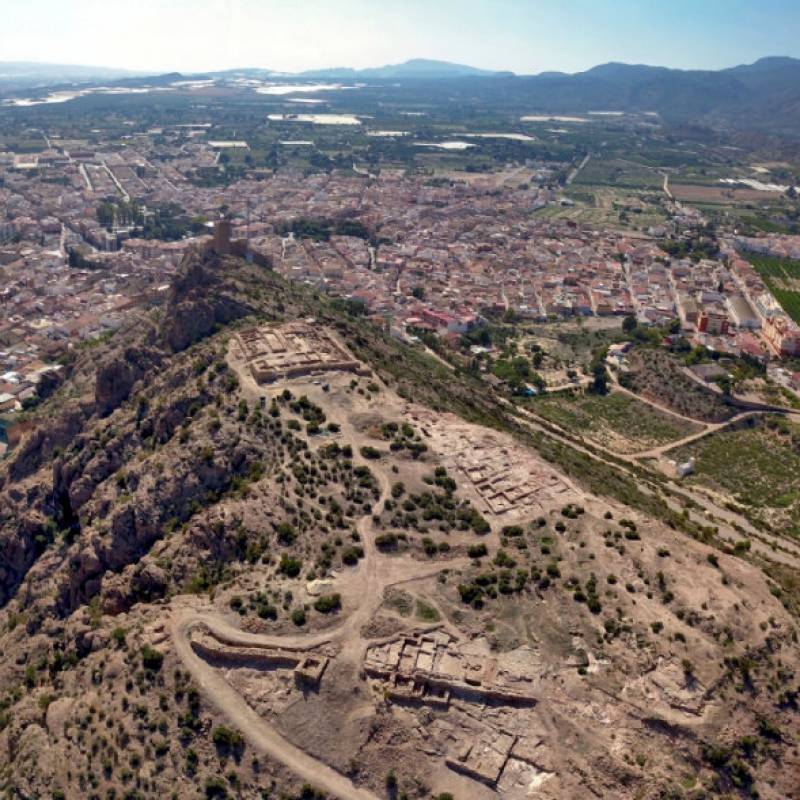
(423, 257)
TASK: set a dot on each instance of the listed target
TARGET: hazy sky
(526, 36)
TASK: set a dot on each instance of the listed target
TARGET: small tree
(151, 658)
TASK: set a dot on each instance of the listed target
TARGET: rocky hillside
(156, 484)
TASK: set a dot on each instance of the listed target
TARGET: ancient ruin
(295, 349)
(432, 667)
(507, 479)
(307, 669)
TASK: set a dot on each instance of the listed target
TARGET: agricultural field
(619, 173)
(757, 465)
(718, 194)
(615, 420)
(33, 143)
(782, 275)
(657, 375)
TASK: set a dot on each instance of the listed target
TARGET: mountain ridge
(764, 95)
(413, 67)
(170, 529)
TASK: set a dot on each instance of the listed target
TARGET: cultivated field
(718, 194)
(658, 376)
(615, 420)
(619, 173)
(756, 465)
(782, 275)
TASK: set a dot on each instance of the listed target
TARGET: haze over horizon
(524, 37)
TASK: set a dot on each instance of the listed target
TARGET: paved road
(125, 196)
(85, 174)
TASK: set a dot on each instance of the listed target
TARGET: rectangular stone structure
(293, 349)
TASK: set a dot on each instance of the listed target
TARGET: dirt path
(667, 191)
(657, 452)
(363, 594)
(576, 171)
(262, 736)
(732, 526)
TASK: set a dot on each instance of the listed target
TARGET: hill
(420, 68)
(764, 96)
(760, 96)
(28, 74)
(254, 543)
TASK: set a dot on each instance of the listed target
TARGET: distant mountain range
(760, 96)
(30, 74)
(420, 68)
(764, 95)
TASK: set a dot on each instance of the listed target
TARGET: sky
(525, 36)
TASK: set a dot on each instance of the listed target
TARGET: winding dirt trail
(263, 737)
(732, 525)
(364, 593)
(714, 427)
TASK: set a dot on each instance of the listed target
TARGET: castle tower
(222, 237)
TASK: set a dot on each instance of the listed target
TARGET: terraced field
(615, 420)
(756, 465)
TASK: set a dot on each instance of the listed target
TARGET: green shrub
(351, 555)
(286, 534)
(471, 593)
(299, 616)
(151, 659)
(328, 603)
(227, 739)
(290, 566)
(216, 789)
(386, 541)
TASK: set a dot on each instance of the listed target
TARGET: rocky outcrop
(49, 383)
(201, 300)
(134, 524)
(143, 582)
(38, 447)
(117, 377)
(73, 470)
(19, 548)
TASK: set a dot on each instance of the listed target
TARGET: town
(416, 255)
